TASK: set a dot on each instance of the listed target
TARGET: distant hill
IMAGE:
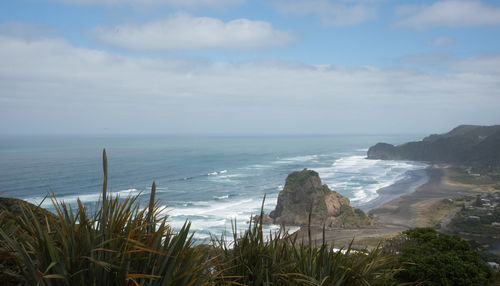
(472, 145)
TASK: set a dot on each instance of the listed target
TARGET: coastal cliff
(329, 207)
(472, 145)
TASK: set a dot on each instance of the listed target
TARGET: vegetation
(353, 217)
(480, 217)
(254, 259)
(474, 146)
(120, 243)
(437, 259)
(463, 175)
(471, 180)
(117, 244)
(441, 208)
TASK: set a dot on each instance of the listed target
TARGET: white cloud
(50, 86)
(486, 65)
(184, 32)
(177, 3)
(27, 31)
(440, 41)
(429, 59)
(330, 13)
(451, 14)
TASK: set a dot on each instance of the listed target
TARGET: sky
(236, 67)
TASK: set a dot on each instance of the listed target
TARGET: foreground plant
(118, 243)
(278, 259)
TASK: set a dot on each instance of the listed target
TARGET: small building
(474, 217)
(495, 224)
(493, 265)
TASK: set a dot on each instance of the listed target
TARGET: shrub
(438, 259)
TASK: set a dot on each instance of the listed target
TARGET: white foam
(223, 172)
(162, 190)
(256, 167)
(217, 215)
(221, 197)
(86, 198)
(203, 224)
(360, 178)
(353, 164)
(225, 179)
(216, 208)
(230, 176)
(212, 174)
(296, 159)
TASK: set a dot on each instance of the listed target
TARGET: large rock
(329, 208)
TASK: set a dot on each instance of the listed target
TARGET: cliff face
(329, 208)
(466, 144)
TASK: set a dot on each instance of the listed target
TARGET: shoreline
(413, 179)
(408, 210)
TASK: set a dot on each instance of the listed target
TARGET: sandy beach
(413, 180)
(412, 209)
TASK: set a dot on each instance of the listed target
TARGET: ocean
(209, 180)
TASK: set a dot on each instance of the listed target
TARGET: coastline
(408, 210)
(412, 180)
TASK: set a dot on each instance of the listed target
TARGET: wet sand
(413, 180)
(404, 212)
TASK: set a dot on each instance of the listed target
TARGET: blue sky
(247, 67)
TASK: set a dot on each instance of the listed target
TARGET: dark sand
(408, 185)
(399, 214)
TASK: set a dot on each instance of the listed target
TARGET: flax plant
(119, 243)
(326, 265)
(252, 259)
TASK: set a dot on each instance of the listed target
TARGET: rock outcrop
(329, 208)
(477, 146)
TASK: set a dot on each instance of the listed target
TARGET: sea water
(211, 181)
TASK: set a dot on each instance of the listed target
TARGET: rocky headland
(471, 145)
(329, 208)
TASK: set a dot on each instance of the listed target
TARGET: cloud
(50, 86)
(451, 14)
(429, 59)
(330, 14)
(177, 3)
(27, 31)
(485, 64)
(440, 41)
(185, 32)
